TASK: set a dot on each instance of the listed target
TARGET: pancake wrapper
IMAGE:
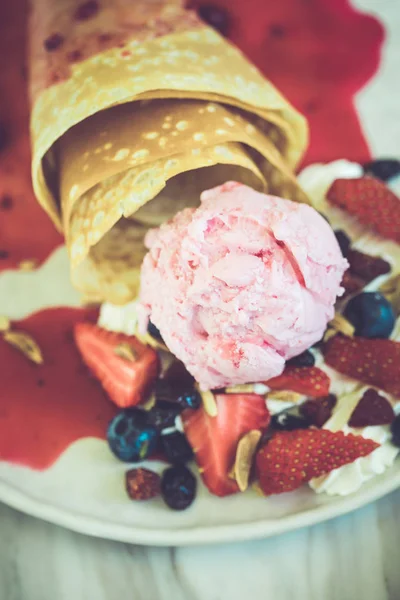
(137, 110)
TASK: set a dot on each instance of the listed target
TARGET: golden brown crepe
(136, 108)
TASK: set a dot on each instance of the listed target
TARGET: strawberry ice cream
(241, 284)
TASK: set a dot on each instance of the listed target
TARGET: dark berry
(344, 241)
(87, 10)
(395, 429)
(179, 376)
(277, 31)
(130, 436)
(53, 42)
(4, 137)
(142, 484)
(216, 16)
(163, 415)
(318, 410)
(366, 266)
(178, 487)
(190, 399)
(371, 314)
(285, 421)
(176, 448)
(166, 391)
(305, 359)
(383, 169)
(6, 202)
(4, 254)
(154, 332)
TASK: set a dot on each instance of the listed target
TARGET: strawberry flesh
(291, 458)
(214, 439)
(311, 381)
(371, 202)
(127, 382)
(373, 361)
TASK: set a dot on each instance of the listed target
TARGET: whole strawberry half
(291, 458)
(125, 367)
(214, 439)
(310, 381)
(373, 361)
(371, 202)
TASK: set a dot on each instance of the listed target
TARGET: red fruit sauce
(44, 408)
(318, 52)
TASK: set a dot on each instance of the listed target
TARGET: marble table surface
(355, 557)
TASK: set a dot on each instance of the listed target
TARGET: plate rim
(191, 536)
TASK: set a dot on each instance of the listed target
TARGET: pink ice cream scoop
(241, 284)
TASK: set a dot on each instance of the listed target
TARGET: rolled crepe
(137, 107)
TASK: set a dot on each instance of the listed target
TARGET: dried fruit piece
(367, 267)
(245, 451)
(311, 381)
(5, 324)
(291, 458)
(285, 396)
(126, 351)
(372, 409)
(371, 202)
(340, 324)
(25, 344)
(374, 362)
(30, 264)
(210, 406)
(142, 484)
(319, 410)
(391, 290)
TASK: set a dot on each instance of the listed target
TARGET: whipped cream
(316, 181)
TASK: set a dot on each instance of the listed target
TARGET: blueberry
(371, 314)
(216, 16)
(178, 487)
(190, 399)
(395, 429)
(343, 241)
(130, 436)
(285, 421)
(384, 169)
(154, 332)
(305, 359)
(184, 397)
(163, 415)
(176, 448)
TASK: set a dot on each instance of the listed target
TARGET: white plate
(84, 489)
(84, 492)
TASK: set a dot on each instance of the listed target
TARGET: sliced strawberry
(371, 202)
(373, 361)
(310, 381)
(125, 367)
(214, 439)
(367, 267)
(372, 409)
(291, 458)
(318, 410)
